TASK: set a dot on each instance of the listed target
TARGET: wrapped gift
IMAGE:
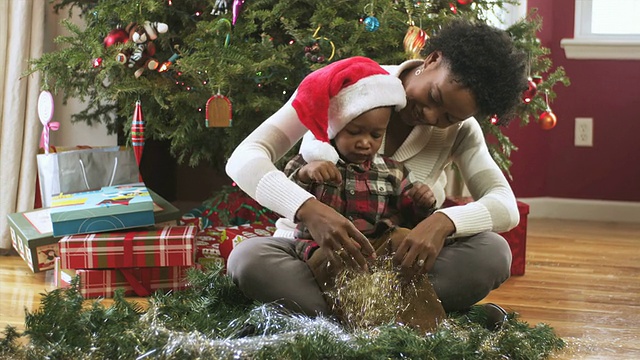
(516, 237)
(135, 281)
(217, 242)
(230, 207)
(32, 237)
(110, 208)
(164, 211)
(166, 246)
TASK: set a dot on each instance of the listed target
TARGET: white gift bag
(70, 170)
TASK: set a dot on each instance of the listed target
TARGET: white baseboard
(579, 209)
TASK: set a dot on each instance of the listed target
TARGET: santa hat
(329, 98)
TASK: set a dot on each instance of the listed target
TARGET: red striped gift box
(135, 281)
(167, 246)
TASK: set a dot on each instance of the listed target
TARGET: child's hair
(484, 59)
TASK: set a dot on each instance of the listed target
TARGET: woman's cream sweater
(426, 152)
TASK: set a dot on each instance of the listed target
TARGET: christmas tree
(191, 63)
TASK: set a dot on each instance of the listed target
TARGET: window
(605, 30)
(508, 14)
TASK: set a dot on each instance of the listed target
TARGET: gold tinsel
(367, 299)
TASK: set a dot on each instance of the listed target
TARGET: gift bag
(74, 170)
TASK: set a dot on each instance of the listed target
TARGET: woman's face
(434, 98)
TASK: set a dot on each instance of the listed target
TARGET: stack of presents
(122, 235)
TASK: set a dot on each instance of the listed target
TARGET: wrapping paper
(166, 246)
(135, 281)
(516, 237)
(110, 208)
(216, 243)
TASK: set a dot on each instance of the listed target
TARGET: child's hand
(321, 172)
(422, 195)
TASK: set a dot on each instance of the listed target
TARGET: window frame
(588, 46)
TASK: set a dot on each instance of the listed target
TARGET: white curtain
(22, 28)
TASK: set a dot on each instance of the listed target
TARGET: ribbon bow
(44, 138)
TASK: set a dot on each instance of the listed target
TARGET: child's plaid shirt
(370, 193)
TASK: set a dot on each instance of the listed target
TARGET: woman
(470, 70)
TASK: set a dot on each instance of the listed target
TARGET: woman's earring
(418, 72)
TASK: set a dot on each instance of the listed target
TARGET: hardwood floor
(583, 279)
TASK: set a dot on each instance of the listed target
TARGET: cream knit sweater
(426, 152)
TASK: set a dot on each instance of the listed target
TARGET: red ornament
(97, 62)
(116, 36)
(137, 133)
(537, 79)
(494, 119)
(547, 120)
(465, 2)
(453, 8)
(531, 91)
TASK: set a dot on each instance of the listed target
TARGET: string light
(167, 64)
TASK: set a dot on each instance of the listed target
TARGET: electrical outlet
(584, 132)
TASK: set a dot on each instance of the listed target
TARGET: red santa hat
(329, 98)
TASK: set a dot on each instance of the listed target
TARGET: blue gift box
(108, 209)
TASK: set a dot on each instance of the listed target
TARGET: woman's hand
(334, 232)
(321, 172)
(417, 253)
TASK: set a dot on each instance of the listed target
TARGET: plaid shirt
(370, 194)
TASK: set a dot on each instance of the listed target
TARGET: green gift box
(164, 211)
(32, 237)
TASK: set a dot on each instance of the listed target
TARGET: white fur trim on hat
(313, 149)
(368, 93)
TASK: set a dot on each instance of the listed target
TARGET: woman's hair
(484, 59)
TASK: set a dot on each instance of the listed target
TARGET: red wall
(547, 162)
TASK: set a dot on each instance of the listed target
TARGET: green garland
(213, 320)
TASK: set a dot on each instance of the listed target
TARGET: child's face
(361, 138)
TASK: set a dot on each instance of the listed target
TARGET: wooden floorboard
(581, 278)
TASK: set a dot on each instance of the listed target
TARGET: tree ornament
(453, 8)
(218, 113)
(530, 92)
(547, 119)
(220, 7)
(97, 62)
(237, 7)
(137, 134)
(414, 41)
(142, 35)
(224, 25)
(465, 2)
(313, 51)
(494, 119)
(45, 114)
(371, 23)
(116, 36)
(537, 79)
